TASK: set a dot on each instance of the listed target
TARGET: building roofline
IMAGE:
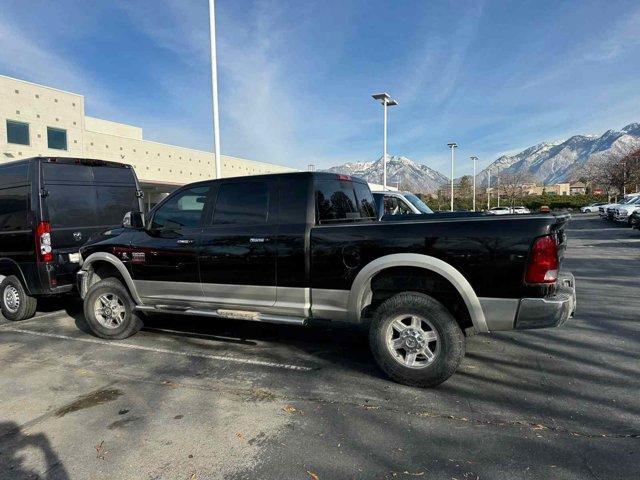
(42, 86)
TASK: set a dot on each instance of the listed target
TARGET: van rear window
(14, 209)
(89, 205)
(66, 172)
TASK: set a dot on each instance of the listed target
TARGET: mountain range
(401, 171)
(546, 162)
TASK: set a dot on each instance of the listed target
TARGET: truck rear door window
(366, 204)
(336, 201)
(14, 209)
(242, 203)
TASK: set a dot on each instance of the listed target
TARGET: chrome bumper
(550, 311)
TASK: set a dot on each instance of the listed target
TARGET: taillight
(543, 261)
(43, 242)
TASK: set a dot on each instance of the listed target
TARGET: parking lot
(199, 398)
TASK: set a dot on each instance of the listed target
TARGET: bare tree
(511, 186)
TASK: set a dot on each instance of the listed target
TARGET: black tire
(26, 305)
(449, 346)
(130, 322)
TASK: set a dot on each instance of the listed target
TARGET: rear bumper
(528, 313)
(550, 311)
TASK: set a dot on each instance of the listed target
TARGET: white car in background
(591, 208)
(521, 209)
(607, 208)
(622, 213)
(500, 211)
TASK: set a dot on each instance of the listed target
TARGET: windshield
(416, 202)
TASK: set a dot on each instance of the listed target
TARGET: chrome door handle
(185, 242)
(258, 240)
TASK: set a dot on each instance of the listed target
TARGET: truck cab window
(242, 203)
(184, 210)
(366, 203)
(336, 201)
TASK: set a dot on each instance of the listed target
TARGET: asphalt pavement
(210, 399)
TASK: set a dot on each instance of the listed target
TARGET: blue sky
(296, 77)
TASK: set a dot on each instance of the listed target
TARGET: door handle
(258, 240)
(188, 241)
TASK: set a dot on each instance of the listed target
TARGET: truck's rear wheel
(109, 310)
(14, 301)
(415, 340)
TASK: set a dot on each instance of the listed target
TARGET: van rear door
(80, 199)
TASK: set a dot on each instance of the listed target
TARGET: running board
(224, 313)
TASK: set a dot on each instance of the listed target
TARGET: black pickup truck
(293, 247)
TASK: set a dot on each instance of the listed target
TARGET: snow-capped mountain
(564, 160)
(402, 171)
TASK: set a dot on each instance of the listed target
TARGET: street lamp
(624, 179)
(498, 186)
(386, 101)
(474, 158)
(488, 188)
(214, 90)
(452, 146)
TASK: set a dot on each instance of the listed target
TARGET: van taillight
(543, 261)
(43, 242)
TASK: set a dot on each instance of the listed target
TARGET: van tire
(122, 322)
(12, 292)
(434, 326)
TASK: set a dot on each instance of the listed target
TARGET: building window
(57, 138)
(17, 132)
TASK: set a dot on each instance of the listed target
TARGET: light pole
(386, 101)
(452, 146)
(624, 178)
(498, 186)
(488, 188)
(214, 90)
(474, 158)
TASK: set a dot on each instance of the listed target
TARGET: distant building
(39, 120)
(578, 188)
(554, 189)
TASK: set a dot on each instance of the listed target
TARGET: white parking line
(161, 350)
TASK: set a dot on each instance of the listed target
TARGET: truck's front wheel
(109, 310)
(415, 340)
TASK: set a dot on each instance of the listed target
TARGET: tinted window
(114, 202)
(242, 203)
(66, 172)
(14, 209)
(57, 138)
(335, 201)
(13, 173)
(366, 204)
(293, 200)
(104, 174)
(72, 206)
(183, 210)
(17, 132)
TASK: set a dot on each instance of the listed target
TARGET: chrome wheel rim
(11, 298)
(412, 341)
(109, 310)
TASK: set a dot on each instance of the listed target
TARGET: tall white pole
(474, 182)
(384, 145)
(488, 188)
(452, 157)
(214, 90)
(498, 186)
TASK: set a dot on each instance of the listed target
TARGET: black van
(49, 207)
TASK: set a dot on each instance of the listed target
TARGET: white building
(36, 120)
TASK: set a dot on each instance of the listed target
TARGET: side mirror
(133, 220)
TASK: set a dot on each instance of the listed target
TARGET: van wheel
(15, 303)
(415, 340)
(109, 310)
